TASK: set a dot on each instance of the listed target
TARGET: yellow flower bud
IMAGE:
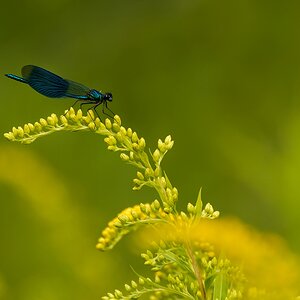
(142, 143)
(129, 132)
(124, 157)
(79, 114)
(156, 155)
(20, 132)
(134, 137)
(38, 127)
(26, 129)
(91, 114)
(117, 119)
(64, 120)
(164, 183)
(191, 208)
(43, 122)
(50, 121)
(9, 136)
(168, 139)
(92, 126)
(31, 127)
(115, 127)
(108, 124)
(140, 176)
(123, 130)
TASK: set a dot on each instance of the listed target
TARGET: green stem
(196, 269)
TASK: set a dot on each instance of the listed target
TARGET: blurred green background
(223, 78)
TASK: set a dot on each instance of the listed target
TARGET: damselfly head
(108, 97)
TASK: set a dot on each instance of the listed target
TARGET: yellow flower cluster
(269, 267)
(118, 138)
(128, 220)
(70, 121)
(133, 217)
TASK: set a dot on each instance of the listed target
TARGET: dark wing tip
(26, 70)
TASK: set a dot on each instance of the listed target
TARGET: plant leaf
(220, 287)
(198, 205)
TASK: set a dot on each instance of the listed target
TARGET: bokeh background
(222, 77)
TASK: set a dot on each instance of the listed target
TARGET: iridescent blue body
(54, 86)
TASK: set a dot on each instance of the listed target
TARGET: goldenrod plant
(191, 253)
